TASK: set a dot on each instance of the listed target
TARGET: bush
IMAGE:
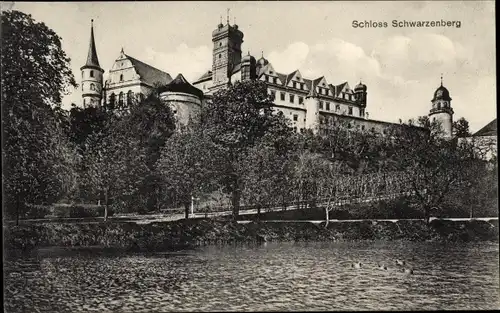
(81, 211)
(36, 211)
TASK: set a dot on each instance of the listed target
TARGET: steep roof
(150, 74)
(489, 130)
(180, 84)
(205, 76)
(92, 59)
(339, 88)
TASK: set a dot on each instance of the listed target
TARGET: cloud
(291, 58)
(192, 62)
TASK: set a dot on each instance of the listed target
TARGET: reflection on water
(277, 276)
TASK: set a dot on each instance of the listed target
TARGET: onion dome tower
(92, 75)
(441, 110)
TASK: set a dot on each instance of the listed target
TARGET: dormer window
(275, 80)
(294, 85)
(302, 86)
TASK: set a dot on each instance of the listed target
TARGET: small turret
(360, 93)
(248, 68)
(92, 75)
(441, 110)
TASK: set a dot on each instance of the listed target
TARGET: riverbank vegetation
(130, 156)
(191, 233)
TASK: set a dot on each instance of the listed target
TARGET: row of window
(298, 85)
(121, 96)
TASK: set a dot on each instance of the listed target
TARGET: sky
(400, 66)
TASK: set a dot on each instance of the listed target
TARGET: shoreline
(186, 234)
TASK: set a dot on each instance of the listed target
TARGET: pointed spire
(441, 79)
(92, 59)
(262, 54)
(227, 16)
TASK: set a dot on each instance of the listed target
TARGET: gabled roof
(489, 130)
(339, 88)
(149, 74)
(282, 78)
(290, 76)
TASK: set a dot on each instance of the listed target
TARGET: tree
(37, 160)
(150, 124)
(234, 120)
(435, 165)
(185, 166)
(268, 167)
(461, 128)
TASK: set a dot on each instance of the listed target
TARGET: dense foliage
(133, 158)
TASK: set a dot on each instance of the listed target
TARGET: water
(274, 276)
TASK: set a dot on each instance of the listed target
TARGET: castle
(309, 103)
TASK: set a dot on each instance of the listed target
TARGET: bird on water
(356, 265)
(382, 267)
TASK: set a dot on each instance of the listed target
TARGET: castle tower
(441, 110)
(360, 92)
(227, 41)
(312, 114)
(92, 75)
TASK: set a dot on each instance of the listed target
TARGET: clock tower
(92, 75)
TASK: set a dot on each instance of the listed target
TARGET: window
(321, 105)
(91, 73)
(130, 96)
(328, 106)
(120, 98)
(301, 100)
(439, 106)
(220, 44)
(350, 110)
(361, 112)
(302, 86)
(112, 98)
(92, 87)
(294, 85)
(337, 107)
(292, 98)
(121, 77)
(273, 94)
(220, 55)
(362, 127)
(275, 80)
(295, 117)
(282, 96)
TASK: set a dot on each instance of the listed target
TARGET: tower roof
(441, 94)
(92, 59)
(180, 84)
